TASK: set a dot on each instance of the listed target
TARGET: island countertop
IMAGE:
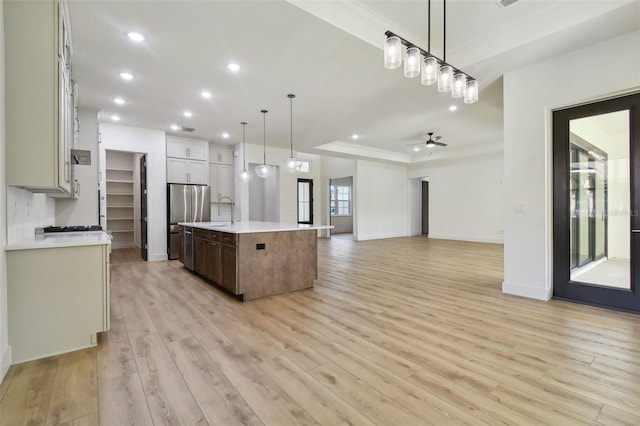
(251, 227)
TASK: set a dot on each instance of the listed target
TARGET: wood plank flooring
(405, 331)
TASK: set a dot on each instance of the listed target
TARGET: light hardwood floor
(406, 331)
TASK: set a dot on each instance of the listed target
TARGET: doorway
(596, 203)
(341, 205)
(425, 207)
(143, 207)
(305, 201)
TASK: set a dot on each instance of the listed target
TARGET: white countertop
(61, 239)
(252, 227)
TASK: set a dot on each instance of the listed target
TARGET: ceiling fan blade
(437, 138)
(440, 143)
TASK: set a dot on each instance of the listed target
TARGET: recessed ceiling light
(135, 36)
(416, 149)
(126, 76)
(187, 114)
(225, 135)
(119, 101)
(206, 94)
(354, 136)
(234, 67)
(175, 127)
(115, 118)
(453, 108)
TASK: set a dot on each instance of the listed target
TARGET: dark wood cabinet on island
(256, 264)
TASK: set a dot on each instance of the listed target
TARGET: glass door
(596, 150)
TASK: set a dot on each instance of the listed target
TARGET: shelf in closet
(120, 193)
(119, 181)
(120, 231)
(119, 207)
(119, 218)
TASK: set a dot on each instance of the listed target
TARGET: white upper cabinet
(38, 100)
(180, 170)
(221, 182)
(190, 149)
(219, 154)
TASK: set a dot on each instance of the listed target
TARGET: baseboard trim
(470, 239)
(526, 291)
(157, 257)
(5, 362)
(380, 237)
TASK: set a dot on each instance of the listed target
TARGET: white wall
(5, 349)
(380, 201)
(530, 94)
(465, 199)
(287, 182)
(151, 142)
(84, 210)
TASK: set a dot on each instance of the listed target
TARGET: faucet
(230, 201)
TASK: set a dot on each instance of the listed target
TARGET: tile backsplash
(27, 211)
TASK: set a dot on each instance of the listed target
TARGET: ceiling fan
(431, 142)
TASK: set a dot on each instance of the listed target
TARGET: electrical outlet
(518, 208)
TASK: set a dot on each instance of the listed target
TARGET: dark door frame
(143, 208)
(563, 287)
(310, 182)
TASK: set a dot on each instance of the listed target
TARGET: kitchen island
(252, 259)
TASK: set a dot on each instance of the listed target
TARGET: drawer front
(228, 238)
(205, 234)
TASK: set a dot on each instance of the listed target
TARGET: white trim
(5, 362)
(379, 237)
(470, 239)
(531, 292)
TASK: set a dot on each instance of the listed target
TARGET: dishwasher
(188, 249)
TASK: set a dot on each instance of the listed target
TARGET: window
(340, 200)
(305, 166)
(305, 201)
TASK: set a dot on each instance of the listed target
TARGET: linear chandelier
(418, 61)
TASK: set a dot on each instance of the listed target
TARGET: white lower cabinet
(58, 299)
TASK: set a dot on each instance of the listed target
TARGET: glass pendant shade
(245, 176)
(392, 53)
(429, 71)
(290, 165)
(471, 92)
(412, 62)
(459, 85)
(445, 78)
(265, 171)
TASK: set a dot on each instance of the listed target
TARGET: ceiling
(329, 54)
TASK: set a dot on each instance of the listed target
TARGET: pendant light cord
(264, 136)
(444, 26)
(244, 146)
(429, 26)
(291, 96)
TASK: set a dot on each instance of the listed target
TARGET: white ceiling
(329, 54)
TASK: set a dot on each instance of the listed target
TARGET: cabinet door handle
(77, 187)
(636, 231)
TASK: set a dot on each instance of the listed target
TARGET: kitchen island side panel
(288, 262)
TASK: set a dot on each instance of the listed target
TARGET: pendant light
(245, 175)
(418, 61)
(264, 170)
(291, 165)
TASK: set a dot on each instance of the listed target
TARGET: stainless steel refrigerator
(185, 203)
